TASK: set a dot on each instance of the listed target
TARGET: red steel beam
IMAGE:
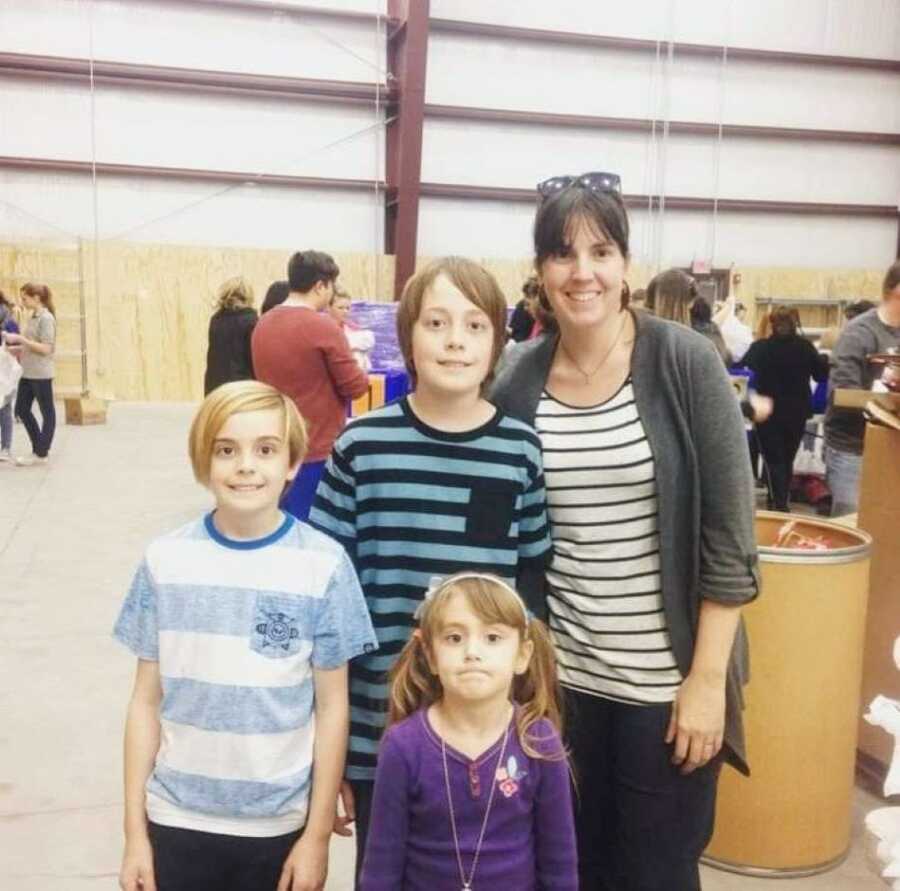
(601, 41)
(59, 165)
(284, 7)
(127, 73)
(645, 125)
(673, 202)
(407, 61)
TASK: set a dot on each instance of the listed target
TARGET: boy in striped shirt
(243, 622)
(436, 483)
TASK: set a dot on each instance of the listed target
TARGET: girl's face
(29, 301)
(452, 342)
(476, 660)
(584, 281)
(340, 309)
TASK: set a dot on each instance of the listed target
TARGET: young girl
(472, 786)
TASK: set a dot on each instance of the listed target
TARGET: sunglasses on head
(594, 181)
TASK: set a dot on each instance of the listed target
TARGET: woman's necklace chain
(588, 375)
(467, 882)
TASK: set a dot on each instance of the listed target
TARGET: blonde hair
(475, 283)
(414, 686)
(231, 399)
(235, 293)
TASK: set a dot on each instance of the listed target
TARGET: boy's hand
(306, 866)
(342, 821)
(137, 867)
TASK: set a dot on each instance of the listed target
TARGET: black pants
(641, 824)
(362, 794)
(779, 440)
(187, 860)
(41, 436)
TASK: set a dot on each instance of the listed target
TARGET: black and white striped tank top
(606, 610)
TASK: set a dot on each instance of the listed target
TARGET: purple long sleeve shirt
(529, 843)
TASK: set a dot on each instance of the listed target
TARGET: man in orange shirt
(302, 352)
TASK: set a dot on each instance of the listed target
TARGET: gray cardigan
(705, 490)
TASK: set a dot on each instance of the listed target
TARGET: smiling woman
(623, 404)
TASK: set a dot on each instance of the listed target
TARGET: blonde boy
(434, 484)
(242, 622)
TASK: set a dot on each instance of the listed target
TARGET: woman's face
(584, 281)
(29, 301)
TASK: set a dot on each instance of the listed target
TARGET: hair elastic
(438, 583)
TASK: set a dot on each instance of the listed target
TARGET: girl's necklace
(467, 882)
(588, 375)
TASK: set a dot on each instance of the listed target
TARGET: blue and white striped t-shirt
(238, 628)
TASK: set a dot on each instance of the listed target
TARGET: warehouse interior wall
(134, 259)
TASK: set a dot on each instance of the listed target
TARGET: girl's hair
(414, 686)
(42, 292)
(556, 216)
(784, 321)
(476, 284)
(670, 295)
(236, 293)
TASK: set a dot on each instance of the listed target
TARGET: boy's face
(250, 464)
(452, 341)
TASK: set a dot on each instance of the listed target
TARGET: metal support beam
(407, 53)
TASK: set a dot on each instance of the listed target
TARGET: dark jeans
(641, 825)
(42, 390)
(187, 860)
(779, 440)
(363, 791)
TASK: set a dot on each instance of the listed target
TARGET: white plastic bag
(10, 372)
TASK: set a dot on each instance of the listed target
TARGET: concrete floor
(71, 534)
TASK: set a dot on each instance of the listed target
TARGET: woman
(37, 345)
(783, 364)
(673, 295)
(650, 500)
(8, 325)
(228, 357)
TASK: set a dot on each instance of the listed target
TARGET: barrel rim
(849, 554)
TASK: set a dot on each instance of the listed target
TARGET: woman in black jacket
(783, 364)
(230, 328)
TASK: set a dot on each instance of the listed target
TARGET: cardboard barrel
(792, 816)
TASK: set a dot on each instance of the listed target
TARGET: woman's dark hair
(42, 292)
(891, 279)
(531, 288)
(307, 268)
(857, 308)
(785, 321)
(603, 211)
(5, 301)
(275, 296)
(701, 312)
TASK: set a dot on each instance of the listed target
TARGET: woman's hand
(697, 725)
(14, 339)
